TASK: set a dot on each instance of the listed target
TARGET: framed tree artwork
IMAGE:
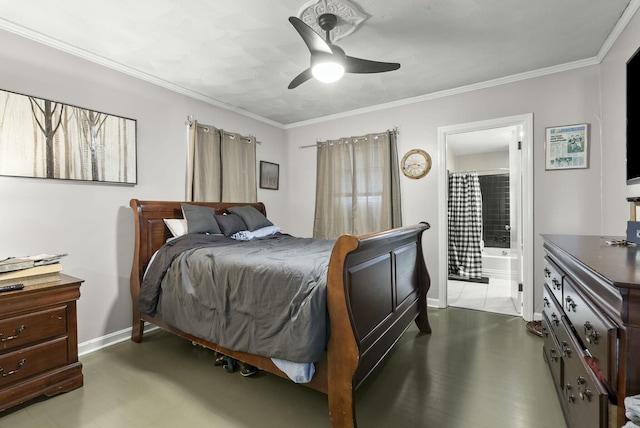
(269, 175)
(48, 139)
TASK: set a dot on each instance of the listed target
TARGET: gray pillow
(230, 223)
(251, 217)
(200, 219)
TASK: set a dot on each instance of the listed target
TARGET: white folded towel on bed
(632, 408)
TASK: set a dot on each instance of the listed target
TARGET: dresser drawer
(32, 360)
(551, 308)
(585, 397)
(551, 352)
(597, 333)
(20, 330)
(553, 277)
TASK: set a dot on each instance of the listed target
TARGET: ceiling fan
(328, 61)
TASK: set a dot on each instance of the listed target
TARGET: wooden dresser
(591, 326)
(38, 341)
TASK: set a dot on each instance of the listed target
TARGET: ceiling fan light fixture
(327, 71)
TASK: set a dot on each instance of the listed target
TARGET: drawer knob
(554, 355)
(546, 303)
(547, 272)
(591, 334)
(21, 363)
(555, 319)
(556, 284)
(566, 351)
(19, 330)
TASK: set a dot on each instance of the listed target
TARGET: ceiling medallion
(349, 16)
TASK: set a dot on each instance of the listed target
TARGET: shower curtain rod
(190, 119)
(479, 170)
(319, 143)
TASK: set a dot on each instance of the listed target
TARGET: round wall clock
(416, 163)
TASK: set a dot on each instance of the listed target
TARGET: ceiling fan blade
(358, 65)
(300, 79)
(315, 43)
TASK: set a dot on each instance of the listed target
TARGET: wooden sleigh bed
(376, 287)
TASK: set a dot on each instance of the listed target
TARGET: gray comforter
(265, 296)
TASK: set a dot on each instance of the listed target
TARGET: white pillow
(177, 226)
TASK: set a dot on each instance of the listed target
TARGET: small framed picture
(269, 175)
(567, 147)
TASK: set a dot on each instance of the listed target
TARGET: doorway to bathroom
(487, 233)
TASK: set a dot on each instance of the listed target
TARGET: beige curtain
(357, 187)
(222, 165)
(238, 168)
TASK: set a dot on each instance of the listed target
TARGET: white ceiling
(242, 54)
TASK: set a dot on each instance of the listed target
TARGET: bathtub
(496, 263)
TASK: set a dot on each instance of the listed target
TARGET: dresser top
(619, 265)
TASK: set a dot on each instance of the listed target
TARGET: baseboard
(110, 339)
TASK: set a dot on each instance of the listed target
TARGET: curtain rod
(320, 143)
(190, 121)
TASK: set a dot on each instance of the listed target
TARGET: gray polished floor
(477, 369)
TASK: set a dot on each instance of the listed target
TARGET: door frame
(526, 122)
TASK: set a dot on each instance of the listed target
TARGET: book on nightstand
(33, 275)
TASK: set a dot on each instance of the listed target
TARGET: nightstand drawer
(23, 329)
(25, 362)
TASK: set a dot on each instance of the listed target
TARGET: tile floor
(492, 297)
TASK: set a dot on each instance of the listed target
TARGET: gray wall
(93, 223)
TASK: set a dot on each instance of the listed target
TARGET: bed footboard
(377, 285)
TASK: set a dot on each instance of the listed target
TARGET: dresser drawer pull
(566, 351)
(546, 303)
(567, 392)
(21, 364)
(555, 319)
(15, 336)
(547, 272)
(554, 355)
(591, 334)
(571, 305)
(586, 395)
(556, 284)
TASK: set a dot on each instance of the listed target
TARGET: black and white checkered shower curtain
(465, 225)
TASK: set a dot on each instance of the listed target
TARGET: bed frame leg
(342, 410)
(422, 321)
(137, 328)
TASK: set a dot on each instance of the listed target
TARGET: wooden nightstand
(39, 341)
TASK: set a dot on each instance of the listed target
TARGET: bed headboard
(151, 232)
